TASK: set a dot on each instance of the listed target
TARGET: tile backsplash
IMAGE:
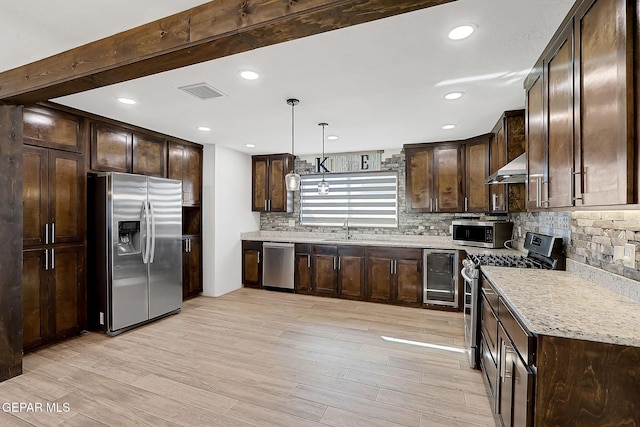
(589, 236)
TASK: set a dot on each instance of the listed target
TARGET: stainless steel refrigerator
(135, 229)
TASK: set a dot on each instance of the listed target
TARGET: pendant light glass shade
(323, 186)
(292, 179)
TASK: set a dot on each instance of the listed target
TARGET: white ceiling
(379, 85)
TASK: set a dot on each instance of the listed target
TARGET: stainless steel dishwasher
(277, 265)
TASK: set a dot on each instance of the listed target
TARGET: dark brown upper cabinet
(54, 186)
(269, 193)
(605, 127)
(185, 163)
(581, 131)
(117, 149)
(476, 171)
(435, 176)
(149, 155)
(507, 143)
(110, 148)
(536, 139)
(51, 129)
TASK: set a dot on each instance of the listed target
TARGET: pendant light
(292, 179)
(323, 186)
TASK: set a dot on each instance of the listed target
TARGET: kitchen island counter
(558, 303)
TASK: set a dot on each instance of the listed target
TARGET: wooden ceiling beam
(206, 32)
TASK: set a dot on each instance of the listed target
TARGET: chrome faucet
(346, 226)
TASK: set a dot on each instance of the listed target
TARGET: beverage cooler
(440, 281)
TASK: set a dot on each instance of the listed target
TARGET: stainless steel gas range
(543, 252)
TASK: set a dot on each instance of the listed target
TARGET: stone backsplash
(409, 223)
(589, 236)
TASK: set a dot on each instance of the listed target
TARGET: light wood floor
(259, 358)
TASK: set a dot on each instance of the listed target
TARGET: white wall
(226, 212)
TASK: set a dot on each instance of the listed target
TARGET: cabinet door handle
(265, 204)
(508, 368)
(258, 257)
(53, 232)
(339, 262)
(53, 259)
(395, 267)
(503, 362)
(430, 205)
(436, 204)
(391, 266)
(466, 204)
(308, 261)
(269, 205)
(46, 259)
(573, 184)
(46, 234)
(334, 262)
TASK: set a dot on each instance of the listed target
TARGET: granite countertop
(557, 303)
(401, 241)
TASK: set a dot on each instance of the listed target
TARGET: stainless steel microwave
(486, 234)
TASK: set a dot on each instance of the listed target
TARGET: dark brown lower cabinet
(394, 275)
(302, 269)
(53, 293)
(324, 261)
(387, 275)
(191, 267)
(351, 272)
(515, 385)
(252, 264)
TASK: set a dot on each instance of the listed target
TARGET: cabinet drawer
(489, 327)
(522, 340)
(490, 294)
(488, 365)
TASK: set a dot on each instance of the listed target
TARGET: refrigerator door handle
(153, 233)
(145, 212)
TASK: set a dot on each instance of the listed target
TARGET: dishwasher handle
(278, 245)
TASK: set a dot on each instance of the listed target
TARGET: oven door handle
(465, 276)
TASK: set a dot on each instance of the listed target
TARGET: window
(367, 199)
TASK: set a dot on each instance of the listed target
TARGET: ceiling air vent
(202, 91)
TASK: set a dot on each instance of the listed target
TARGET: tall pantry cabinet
(54, 216)
(185, 164)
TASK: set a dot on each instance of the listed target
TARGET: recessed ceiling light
(127, 101)
(453, 95)
(461, 32)
(448, 127)
(249, 75)
(250, 145)
(204, 128)
(332, 137)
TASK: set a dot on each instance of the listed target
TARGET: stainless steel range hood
(514, 172)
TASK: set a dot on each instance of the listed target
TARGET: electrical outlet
(292, 223)
(618, 252)
(629, 259)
